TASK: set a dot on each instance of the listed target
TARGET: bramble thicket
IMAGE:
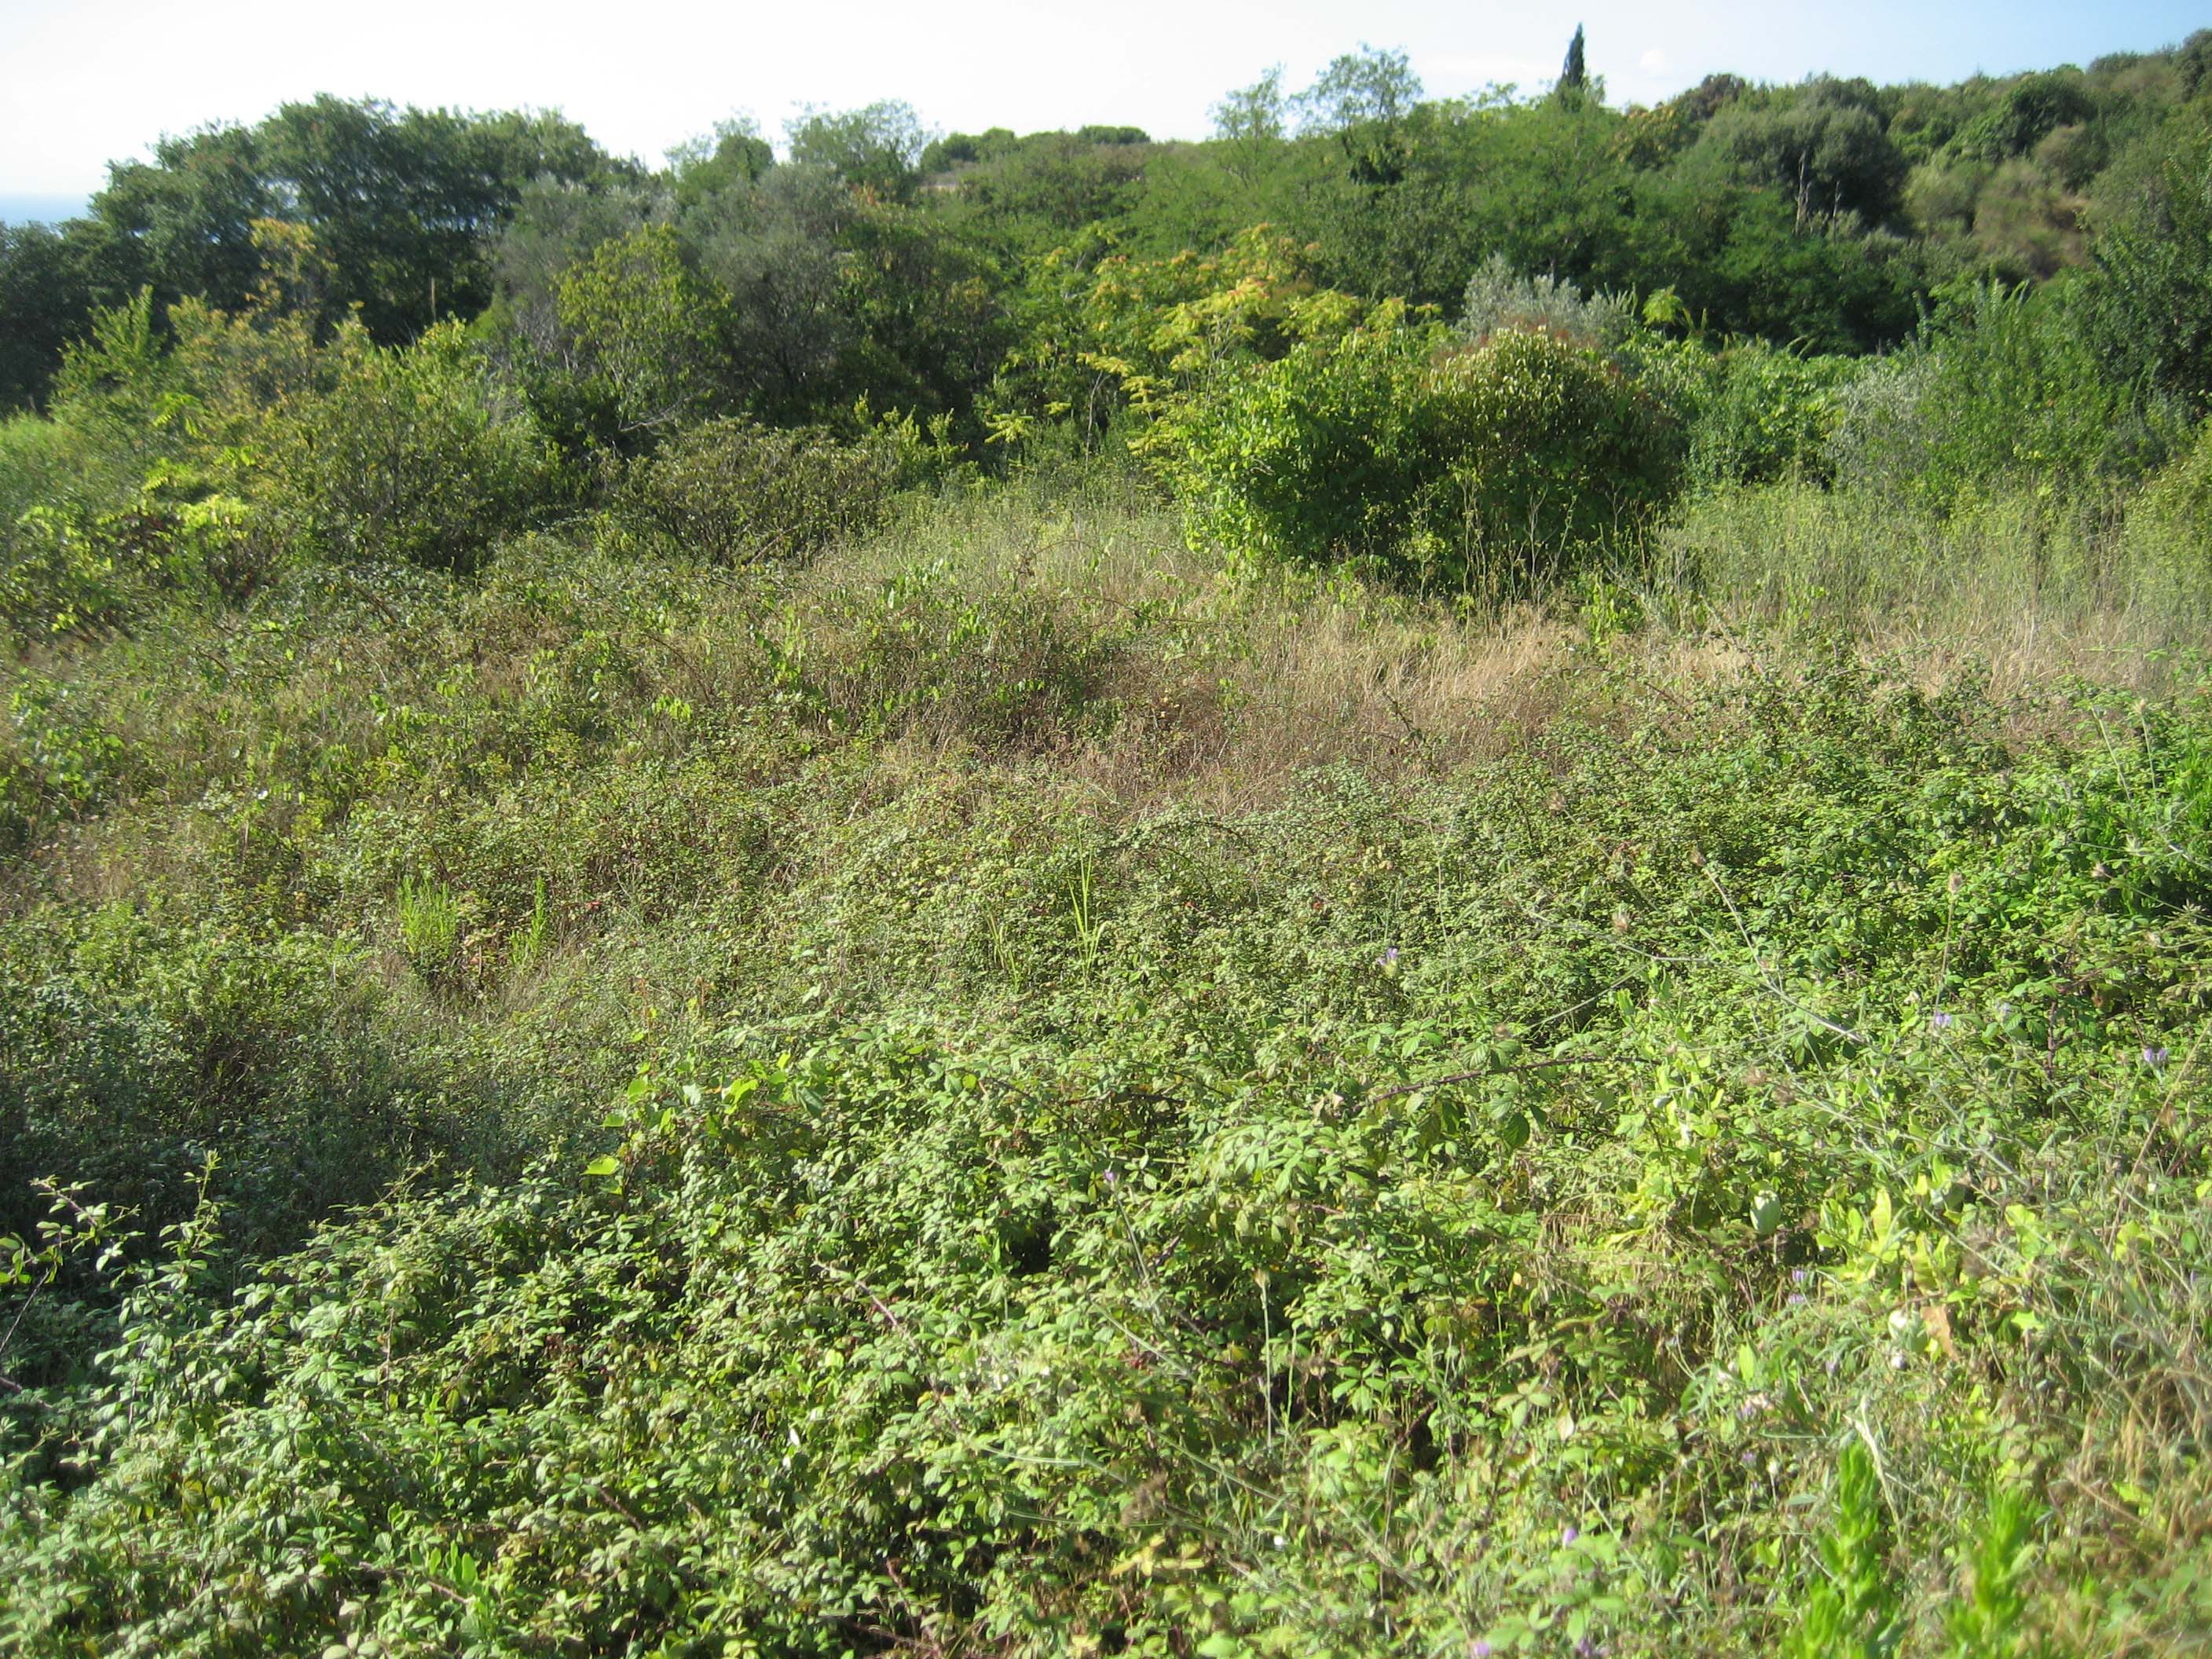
(1431, 880)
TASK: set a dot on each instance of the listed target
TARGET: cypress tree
(1576, 76)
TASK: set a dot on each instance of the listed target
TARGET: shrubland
(1265, 969)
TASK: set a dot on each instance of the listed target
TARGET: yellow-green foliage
(1141, 334)
(643, 330)
(2176, 507)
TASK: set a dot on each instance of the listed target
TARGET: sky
(86, 82)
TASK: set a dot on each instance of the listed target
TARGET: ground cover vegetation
(1430, 881)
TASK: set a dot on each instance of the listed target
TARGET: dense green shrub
(40, 462)
(2147, 296)
(55, 577)
(642, 335)
(67, 533)
(1769, 415)
(2004, 388)
(2168, 538)
(731, 491)
(1457, 464)
(59, 758)
(421, 455)
(135, 1045)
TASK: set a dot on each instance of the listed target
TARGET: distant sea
(22, 209)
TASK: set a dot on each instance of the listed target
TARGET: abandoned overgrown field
(987, 896)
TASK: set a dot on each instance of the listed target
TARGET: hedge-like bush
(1444, 462)
(420, 455)
(731, 492)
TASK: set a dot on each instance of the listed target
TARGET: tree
(1820, 145)
(188, 215)
(733, 154)
(877, 148)
(957, 149)
(920, 298)
(2032, 108)
(646, 330)
(1366, 99)
(2148, 294)
(406, 202)
(1361, 89)
(1248, 126)
(774, 248)
(558, 223)
(2192, 62)
(51, 280)
(1036, 192)
(1574, 75)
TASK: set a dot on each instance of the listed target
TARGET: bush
(1769, 416)
(643, 336)
(40, 462)
(54, 579)
(133, 1044)
(921, 652)
(732, 492)
(131, 489)
(2002, 389)
(2147, 295)
(1499, 297)
(1461, 464)
(419, 455)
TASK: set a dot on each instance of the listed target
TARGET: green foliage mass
(641, 331)
(1478, 463)
(965, 896)
(419, 455)
(731, 491)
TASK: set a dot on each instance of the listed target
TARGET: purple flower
(1798, 1275)
(1939, 1021)
(2155, 1059)
(1478, 1649)
(1568, 1534)
(1388, 960)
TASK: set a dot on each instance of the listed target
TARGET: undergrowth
(1000, 1092)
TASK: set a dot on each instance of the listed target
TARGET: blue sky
(83, 81)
